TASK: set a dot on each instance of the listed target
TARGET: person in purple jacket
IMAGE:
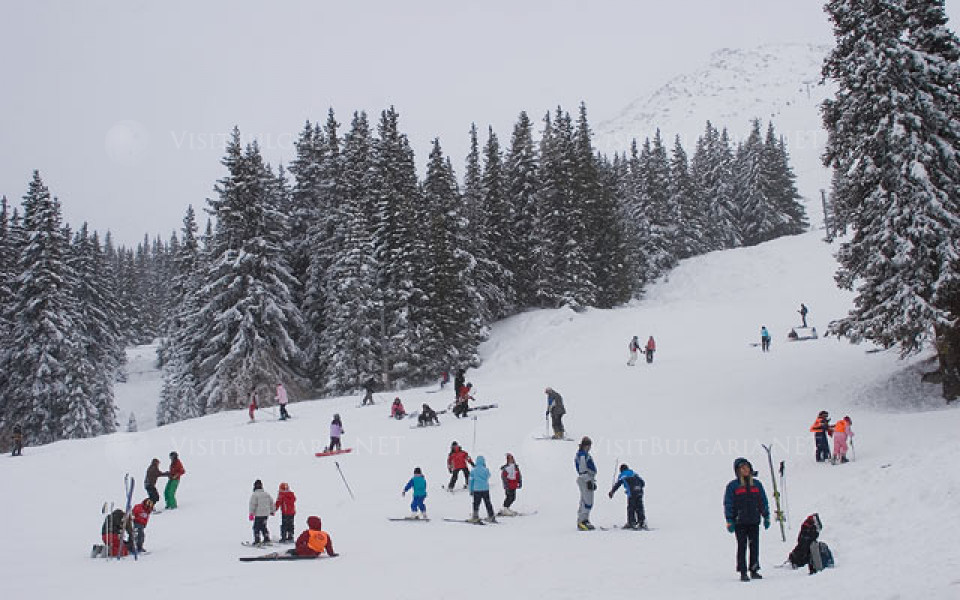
(336, 430)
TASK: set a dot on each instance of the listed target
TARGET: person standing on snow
(649, 349)
(744, 504)
(287, 503)
(336, 431)
(462, 405)
(141, 515)
(586, 481)
(512, 481)
(174, 473)
(633, 487)
(251, 409)
(261, 508)
(842, 432)
(458, 382)
(457, 461)
(555, 411)
(368, 389)
(282, 399)
(150, 481)
(480, 490)
(821, 428)
(803, 314)
(764, 339)
(17, 441)
(417, 483)
(634, 348)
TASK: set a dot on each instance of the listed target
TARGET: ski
(260, 545)
(776, 492)
(517, 514)
(425, 426)
(128, 488)
(470, 521)
(334, 452)
(278, 556)
(407, 519)
(550, 437)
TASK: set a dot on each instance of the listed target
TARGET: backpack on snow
(809, 550)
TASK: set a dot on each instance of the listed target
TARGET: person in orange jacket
(314, 541)
(821, 428)
(841, 433)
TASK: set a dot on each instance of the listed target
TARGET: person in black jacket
(744, 504)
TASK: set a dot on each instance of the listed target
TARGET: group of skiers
(280, 397)
(841, 432)
(648, 349)
(310, 543)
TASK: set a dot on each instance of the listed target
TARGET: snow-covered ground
(141, 391)
(892, 517)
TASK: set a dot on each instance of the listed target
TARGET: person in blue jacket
(586, 482)
(633, 487)
(480, 489)
(418, 483)
(744, 505)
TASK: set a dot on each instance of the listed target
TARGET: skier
(419, 485)
(821, 428)
(555, 410)
(458, 382)
(150, 481)
(427, 416)
(480, 489)
(586, 481)
(633, 487)
(444, 378)
(650, 348)
(141, 515)
(396, 409)
(336, 430)
(314, 541)
(634, 347)
(462, 405)
(174, 473)
(368, 388)
(764, 339)
(803, 314)
(457, 461)
(114, 525)
(282, 400)
(744, 504)
(253, 405)
(512, 481)
(841, 433)
(261, 508)
(17, 441)
(287, 503)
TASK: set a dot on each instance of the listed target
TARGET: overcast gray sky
(125, 105)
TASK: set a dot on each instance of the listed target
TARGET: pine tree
(494, 280)
(691, 224)
(525, 242)
(894, 133)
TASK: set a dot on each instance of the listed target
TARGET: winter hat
(548, 390)
(257, 485)
(417, 471)
(510, 459)
(314, 523)
(586, 442)
(284, 487)
(741, 461)
(174, 455)
(624, 467)
(848, 420)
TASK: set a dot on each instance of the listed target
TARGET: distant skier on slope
(586, 482)
(287, 504)
(457, 461)
(261, 508)
(633, 487)
(744, 504)
(649, 349)
(174, 473)
(336, 431)
(396, 409)
(634, 347)
(427, 416)
(555, 410)
(417, 483)
(803, 313)
(842, 432)
(764, 339)
(282, 400)
(150, 479)
(253, 406)
(822, 428)
(512, 481)
(480, 490)
(462, 405)
(17, 441)
(368, 392)
(458, 382)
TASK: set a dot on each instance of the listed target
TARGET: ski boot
(491, 519)
(744, 576)
(755, 574)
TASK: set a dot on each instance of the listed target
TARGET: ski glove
(251, 516)
(766, 522)
(730, 526)
(591, 485)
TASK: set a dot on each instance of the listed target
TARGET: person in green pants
(175, 471)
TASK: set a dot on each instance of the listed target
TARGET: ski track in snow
(892, 517)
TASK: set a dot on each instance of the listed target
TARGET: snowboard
(279, 556)
(407, 519)
(334, 452)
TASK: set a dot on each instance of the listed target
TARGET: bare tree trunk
(948, 353)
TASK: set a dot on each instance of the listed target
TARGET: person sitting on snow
(396, 409)
(428, 416)
(314, 541)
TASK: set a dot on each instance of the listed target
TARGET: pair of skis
(779, 514)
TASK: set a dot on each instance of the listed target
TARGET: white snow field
(892, 517)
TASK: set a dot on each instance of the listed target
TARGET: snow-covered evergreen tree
(894, 135)
(493, 278)
(525, 241)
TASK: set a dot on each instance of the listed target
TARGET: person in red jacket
(314, 541)
(114, 526)
(457, 461)
(141, 514)
(512, 481)
(287, 503)
(650, 348)
(174, 473)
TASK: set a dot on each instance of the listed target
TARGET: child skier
(261, 508)
(287, 503)
(17, 441)
(461, 406)
(586, 482)
(649, 349)
(419, 485)
(174, 473)
(744, 504)
(368, 392)
(764, 339)
(282, 399)
(457, 461)
(821, 428)
(336, 430)
(396, 409)
(141, 515)
(512, 481)
(633, 487)
(480, 490)
(634, 348)
(427, 416)
(842, 432)
(314, 541)
(253, 405)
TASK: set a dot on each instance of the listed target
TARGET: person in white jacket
(261, 508)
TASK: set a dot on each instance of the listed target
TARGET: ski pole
(474, 446)
(853, 451)
(344, 480)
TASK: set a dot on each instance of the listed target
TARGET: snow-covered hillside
(780, 82)
(892, 517)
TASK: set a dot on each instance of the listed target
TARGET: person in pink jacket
(282, 399)
(336, 430)
(842, 432)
